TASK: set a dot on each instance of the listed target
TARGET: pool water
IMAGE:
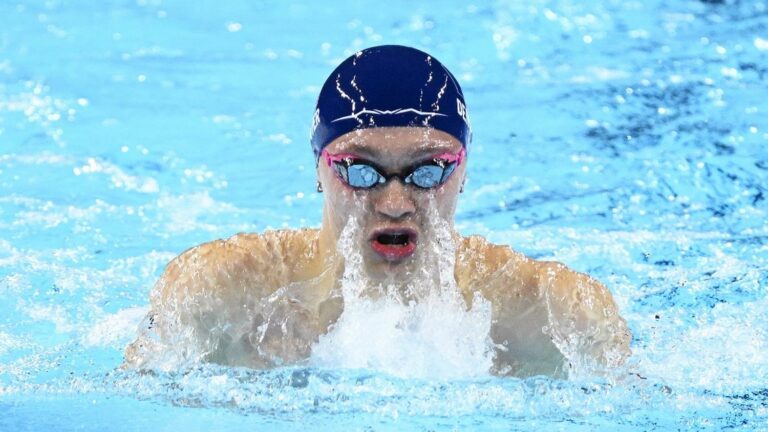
(625, 139)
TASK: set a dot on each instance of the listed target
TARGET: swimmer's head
(390, 134)
(389, 86)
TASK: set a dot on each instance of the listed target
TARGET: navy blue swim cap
(389, 85)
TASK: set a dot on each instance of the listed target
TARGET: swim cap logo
(315, 122)
(461, 109)
(356, 115)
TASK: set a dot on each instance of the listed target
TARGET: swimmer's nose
(394, 201)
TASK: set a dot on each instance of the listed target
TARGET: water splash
(418, 329)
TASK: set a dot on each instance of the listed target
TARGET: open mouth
(393, 239)
(394, 244)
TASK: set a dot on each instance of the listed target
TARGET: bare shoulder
(528, 295)
(278, 243)
(492, 268)
(246, 263)
(210, 294)
(586, 298)
(566, 285)
(485, 260)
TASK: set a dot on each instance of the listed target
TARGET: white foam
(433, 338)
(116, 330)
(431, 335)
(726, 354)
(186, 213)
(9, 342)
(57, 315)
(120, 179)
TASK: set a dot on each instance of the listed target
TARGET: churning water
(625, 139)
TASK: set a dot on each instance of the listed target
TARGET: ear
(318, 176)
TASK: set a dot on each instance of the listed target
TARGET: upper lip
(410, 232)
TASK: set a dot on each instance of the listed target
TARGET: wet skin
(261, 300)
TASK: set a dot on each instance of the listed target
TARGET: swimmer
(391, 139)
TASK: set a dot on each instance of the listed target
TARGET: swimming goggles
(362, 174)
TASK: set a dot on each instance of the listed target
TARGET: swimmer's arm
(529, 295)
(223, 299)
(220, 272)
(201, 291)
(579, 305)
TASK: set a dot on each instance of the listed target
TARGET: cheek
(342, 201)
(446, 202)
(443, 200)
(447, 196)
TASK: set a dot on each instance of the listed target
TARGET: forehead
(395, 142)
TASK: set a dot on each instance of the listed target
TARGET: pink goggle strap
(448, 157)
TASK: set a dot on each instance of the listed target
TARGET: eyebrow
(431, 151)
(362, 151)
(418, 154)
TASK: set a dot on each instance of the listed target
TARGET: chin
(380, 269)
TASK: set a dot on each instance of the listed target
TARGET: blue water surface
(626, 139)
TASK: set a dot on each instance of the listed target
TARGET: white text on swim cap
(462, 110)
(315, 123)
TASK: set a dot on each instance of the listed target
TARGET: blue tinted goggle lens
(429, 176)
(361, 175)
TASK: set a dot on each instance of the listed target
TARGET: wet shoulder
(284, 245)
(286, 252)
(256, 263)
(488, 267)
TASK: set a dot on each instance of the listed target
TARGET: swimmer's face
(393, 216)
